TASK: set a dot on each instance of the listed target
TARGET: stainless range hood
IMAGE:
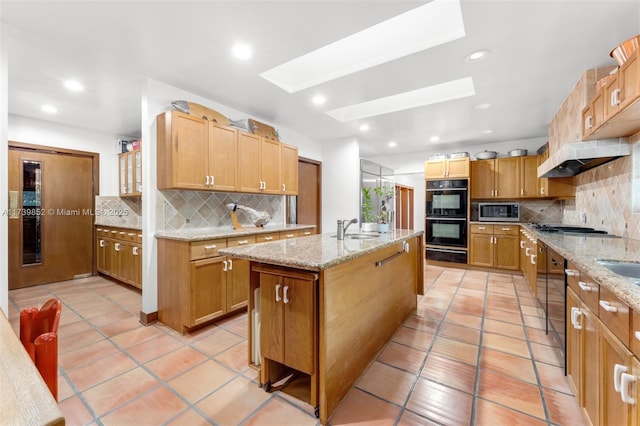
(576, 157)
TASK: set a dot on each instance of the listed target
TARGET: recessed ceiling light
(426, 26)
(364, 127)
(392, 144)
(242, 51)
(486, 132)
(483, 106)
(476, 56)
(73, 85)
(415, 98)
(434, 138)
(319, 100)
(49, 109)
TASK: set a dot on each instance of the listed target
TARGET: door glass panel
(138, 171)
(32, 205)
(129, 173)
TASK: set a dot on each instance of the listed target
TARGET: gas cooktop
(570, 230)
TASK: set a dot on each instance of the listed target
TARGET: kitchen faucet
(342, 227)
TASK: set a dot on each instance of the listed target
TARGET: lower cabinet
(119, 254)
(494, 246)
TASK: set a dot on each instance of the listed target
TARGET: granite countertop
(583, 252)
(317, 252)
(226, 232)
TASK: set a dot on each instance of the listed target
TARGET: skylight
(435, 23)
(451, 90)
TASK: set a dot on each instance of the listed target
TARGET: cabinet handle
(588, 123)
(607, 306)
(289, 235)
(135, 251)
(521, 192)
(482, 228)
(533, 258)
(268, 238)
(286, 291)
(542, 190)
(284, 188)
(230, 264)
(243, 242)
(526, 252)
(307, 233)
(522, 244)
(583, 286)
(224, 268)
(617, 372)
(636, 334)
(209, 247)
(570, 273)
(207, 180)
(625, 381)
(213, 180)
(278, 293)
(575, 314)
(506, 229)
(117, 247)
(102, 243)
(615, 99)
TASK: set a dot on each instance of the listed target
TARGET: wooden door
(299, 302)
(507, 177)
(529, 176)
(289, 179)
(482, 179)
(51, 232)
(404, 207)
(248, 162)
(271, 317)
(612, 353)
(207, 290)
(270, 166)
(238, 273)
(223, 157)
(308, 202)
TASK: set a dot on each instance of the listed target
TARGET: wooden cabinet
(529, 176)
(449, 168)
(287, 319)
(119, 254)
(258, 164)
(615, 360)
(529, 259)
(130, 173)
(289, 172)
(555, 187)
(494, 246)
(206, 295)
(496, 178)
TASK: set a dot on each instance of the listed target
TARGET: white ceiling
(538, 51)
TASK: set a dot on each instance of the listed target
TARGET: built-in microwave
(499, 212)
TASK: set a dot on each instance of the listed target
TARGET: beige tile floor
(471, 354)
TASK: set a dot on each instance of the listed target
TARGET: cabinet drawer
(506, 229)
(573, 276)
(614, 313)
(204, 249)
(288, 234)
(241, 241)
(635, 328)
(589, 292)
(482, 229)
(262, 238)
(305, 232)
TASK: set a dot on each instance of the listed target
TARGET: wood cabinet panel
(289, 165)
(494, 246)
(612, 353)
(482, 179)
(207, 294)
(452, 168)
(223, 157)
(481, 250)
(118, 254)
(529, 176)
(507, 180)
(615, 314)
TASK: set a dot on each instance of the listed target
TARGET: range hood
(576, 157)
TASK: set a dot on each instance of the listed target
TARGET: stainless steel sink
(629, 270)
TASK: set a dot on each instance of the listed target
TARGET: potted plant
(383, 219)
(385, 193)
(368, 218)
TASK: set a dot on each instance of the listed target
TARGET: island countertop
(202, 234)
(317, 252)
(583, 252)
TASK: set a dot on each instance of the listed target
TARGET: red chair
(39, 336)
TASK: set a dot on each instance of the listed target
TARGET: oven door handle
(446, 218)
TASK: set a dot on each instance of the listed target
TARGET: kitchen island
(326, 307)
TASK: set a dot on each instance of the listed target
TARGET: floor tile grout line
(476, 385)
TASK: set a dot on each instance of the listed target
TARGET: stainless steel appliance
(499, 212)
(447, 210)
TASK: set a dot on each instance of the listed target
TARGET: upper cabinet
(197, 154)
(449, 168)
(614, 109)
(130, 173)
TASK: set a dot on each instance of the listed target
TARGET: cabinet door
(299, 308)
(207, 290)
(613, 355)
(137, 172)
(458, 167)
(611, 98)
(136, 265)
(248, 162)
(223, 157)
(590, 364)
(482, 179)
(125, 270)
(122, 173)
(271, 317)
(103, 255)
(435, 169)
(629, 81)
(237, 283)
(506, 254)
(481, 250)
(130, 173)
(270, 166)
(189, 152)
(529, 176)
(289, 156)
(507, 177)
(574, 342)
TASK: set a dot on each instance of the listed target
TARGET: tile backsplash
(116, 211)
(189, 210)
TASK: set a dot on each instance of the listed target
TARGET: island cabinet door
(271, 317)
(207, 290)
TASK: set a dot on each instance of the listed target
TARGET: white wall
(340, 182)
(39, 132)
(4, 178)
